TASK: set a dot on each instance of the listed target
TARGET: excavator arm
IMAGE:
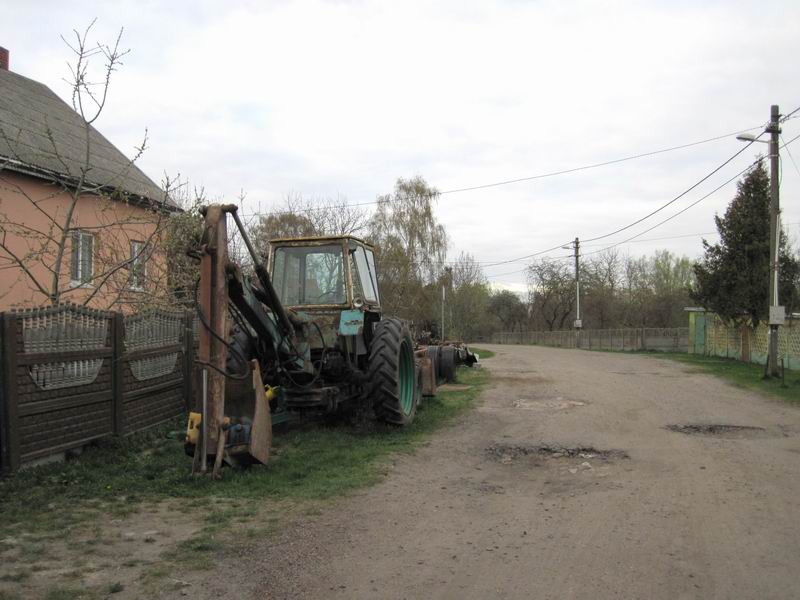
(221, 286)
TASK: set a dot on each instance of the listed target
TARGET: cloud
(341, 98)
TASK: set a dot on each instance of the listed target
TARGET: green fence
(710, 335)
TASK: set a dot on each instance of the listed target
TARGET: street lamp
(777, 313)
(749, 137)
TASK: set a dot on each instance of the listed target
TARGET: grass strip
(741, 374)
(481, 352)
(312, 462)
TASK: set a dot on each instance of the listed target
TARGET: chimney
(3, 59)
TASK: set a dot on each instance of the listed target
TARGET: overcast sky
(334, 99)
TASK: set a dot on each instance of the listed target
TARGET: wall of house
(32, 214)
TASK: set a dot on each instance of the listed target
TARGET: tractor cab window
(365, 282)
(309, 275)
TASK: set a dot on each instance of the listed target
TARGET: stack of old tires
(443, 360)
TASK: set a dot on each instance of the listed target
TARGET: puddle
(719, 430)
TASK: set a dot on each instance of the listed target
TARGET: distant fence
(670, 339)
(710, 335)
(71, 375)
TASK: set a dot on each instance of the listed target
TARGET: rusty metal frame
(213, 302)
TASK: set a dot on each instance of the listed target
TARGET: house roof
(29, 109)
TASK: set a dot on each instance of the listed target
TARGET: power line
(596, 165)
(789, 116)
(539, 253)
(678, 237)
(676, 198)
(661, 239)
(659, 209)
(508, 273)
(750, 166)
(789, 152)
(680, 212)
(520, 179)
(682, 194)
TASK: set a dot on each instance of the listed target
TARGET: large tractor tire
(392, 374)
(447, 364)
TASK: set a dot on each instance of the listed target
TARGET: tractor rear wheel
(392, 374)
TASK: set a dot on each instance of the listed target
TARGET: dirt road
(566, 483)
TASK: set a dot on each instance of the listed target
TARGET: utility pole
(776, 312)
(443, 297)
(578, 322)
(448, 272)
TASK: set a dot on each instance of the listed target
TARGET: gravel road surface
(566, 482)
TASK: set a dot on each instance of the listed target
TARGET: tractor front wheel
(392, 374)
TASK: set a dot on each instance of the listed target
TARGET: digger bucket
(247, 423)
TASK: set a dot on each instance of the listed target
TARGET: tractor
(301, 335)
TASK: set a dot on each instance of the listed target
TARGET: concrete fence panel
(71, 375)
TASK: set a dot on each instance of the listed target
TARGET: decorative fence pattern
(71, 375)
(52, 331)
(710, 335)
(674, 339)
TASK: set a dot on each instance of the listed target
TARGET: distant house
(66, 191)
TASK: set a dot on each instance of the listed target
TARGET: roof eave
(68, 181)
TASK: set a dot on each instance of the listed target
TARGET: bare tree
(302, 217)
(43, 248)
(601, 280)
(551, 292)
(469, 300)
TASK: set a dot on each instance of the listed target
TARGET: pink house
(79, 221)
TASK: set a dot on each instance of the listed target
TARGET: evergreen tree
(732, 278)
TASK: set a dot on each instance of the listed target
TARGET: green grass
(481, 352)
(741, 374)
(117, 475)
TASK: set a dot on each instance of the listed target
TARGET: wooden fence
(665, 339)
(71, 375)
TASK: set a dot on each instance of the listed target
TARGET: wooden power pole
(776, 312)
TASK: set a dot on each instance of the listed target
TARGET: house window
(138, 265)
(82, 268)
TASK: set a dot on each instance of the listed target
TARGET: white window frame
(139, 248)
(82, 280)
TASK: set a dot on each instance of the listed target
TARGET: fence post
(188, 359)
(10, 432)
(117, 363)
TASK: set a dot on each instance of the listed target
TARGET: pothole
(719, 430)
(558, 403)
(506, 453)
